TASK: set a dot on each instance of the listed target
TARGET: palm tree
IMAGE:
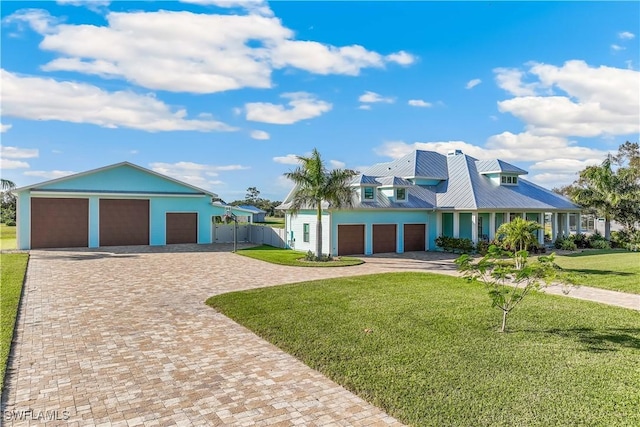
(519, 234)
(599, 188)
(7, 185)
(315, 184)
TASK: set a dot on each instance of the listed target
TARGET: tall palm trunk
(319, 231)
(607, 227)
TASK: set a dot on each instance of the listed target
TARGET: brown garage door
(59, 223)
(414, 237)
(350, 239)
(124, 222)
(182, 228)
(384, 238)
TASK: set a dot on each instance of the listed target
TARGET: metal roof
(498, 166)
(252, 208)
(362, 179)
(394, 181)
(423, 164)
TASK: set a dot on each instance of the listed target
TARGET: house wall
(159, 206)
(447, 224)
(368, 218)
(295, 231)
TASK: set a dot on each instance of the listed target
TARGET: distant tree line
(253, 198)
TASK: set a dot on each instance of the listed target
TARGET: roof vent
(454, 153)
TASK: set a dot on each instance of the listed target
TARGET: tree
(510, 277)
(519, 234)
(8, 203)
(315, 184)
(7, 185)
(253, 196)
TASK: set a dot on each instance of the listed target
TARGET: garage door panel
(182, 228)
(59, 222)
(124, 222)
(350, 239)
(384, 238)
(414, 237)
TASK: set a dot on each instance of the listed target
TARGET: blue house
(405, 204)
(257, 214)
(120, 204)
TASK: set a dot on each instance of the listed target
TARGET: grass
(615, 270)
(272, 221)
(7, 237)
(12, 269)
(293, 258)
(424, 348)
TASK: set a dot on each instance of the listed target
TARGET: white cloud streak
(260, 135)
(289, 159)
(626, 35)
(302, 106)
(373, 97)
(38, 98)
(52, 174)
(472, 83)
(4, 128)
(419, 103)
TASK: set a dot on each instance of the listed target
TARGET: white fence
(223, 233)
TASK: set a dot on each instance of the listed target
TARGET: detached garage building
(117, 205)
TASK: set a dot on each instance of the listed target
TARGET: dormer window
(368, 193)
(401, 194)
(509, 179)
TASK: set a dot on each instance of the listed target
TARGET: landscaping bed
(294, 258)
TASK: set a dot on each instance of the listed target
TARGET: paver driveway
(123, 337)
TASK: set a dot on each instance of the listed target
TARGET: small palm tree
(315, 184)
(519, 234)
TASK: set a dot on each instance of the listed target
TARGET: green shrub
(455, 244)
(559, 242)
(581, 240)
(310, 256)
(600, 244)
(568, 245)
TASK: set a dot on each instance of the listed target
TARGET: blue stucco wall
(368, 218)
(122, 178)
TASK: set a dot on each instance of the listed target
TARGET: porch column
(524, 216)
(456, 224)
(565, 225)
(541, 231)
(492, 226)
(507, 217)
(578, 223)
(474, 227)
(439, 224)
(554, 226)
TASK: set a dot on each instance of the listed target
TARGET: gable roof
(498, 166)
(58, 183)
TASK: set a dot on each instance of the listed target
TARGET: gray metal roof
(366, 180)
(463, 186)
(498, 166)
(394, 181)
(423, 164)
(252, 208)
(466, 188)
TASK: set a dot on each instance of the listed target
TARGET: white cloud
(18, 153)
(259, 134)
(191, 52)
(372, 97)
(364, 107)
(626, 35)
(302, 105)
(4, 128)
(38, 98)
(473, 83)
(419, 103)
(510, 79)
(563, 165)
(617, 47)
(94, 5)
(53, 174)
(12, 164)
(401, 57)
(197, 174)
(289, 159)
(337, 164)
(598, 101)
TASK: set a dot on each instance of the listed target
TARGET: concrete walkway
(122, 337)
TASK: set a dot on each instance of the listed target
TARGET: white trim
(110, 195)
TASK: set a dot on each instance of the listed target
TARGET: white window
(401, 194)
(368, 193)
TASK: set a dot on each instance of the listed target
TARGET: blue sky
(224, 94)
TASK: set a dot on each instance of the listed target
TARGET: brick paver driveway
(123, 337)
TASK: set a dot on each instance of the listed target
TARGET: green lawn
(12, 271)
(616, 270)
(289, 257)
(7, 237)
(272, 221)
(424, 348)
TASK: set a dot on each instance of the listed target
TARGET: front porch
(482, 226)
